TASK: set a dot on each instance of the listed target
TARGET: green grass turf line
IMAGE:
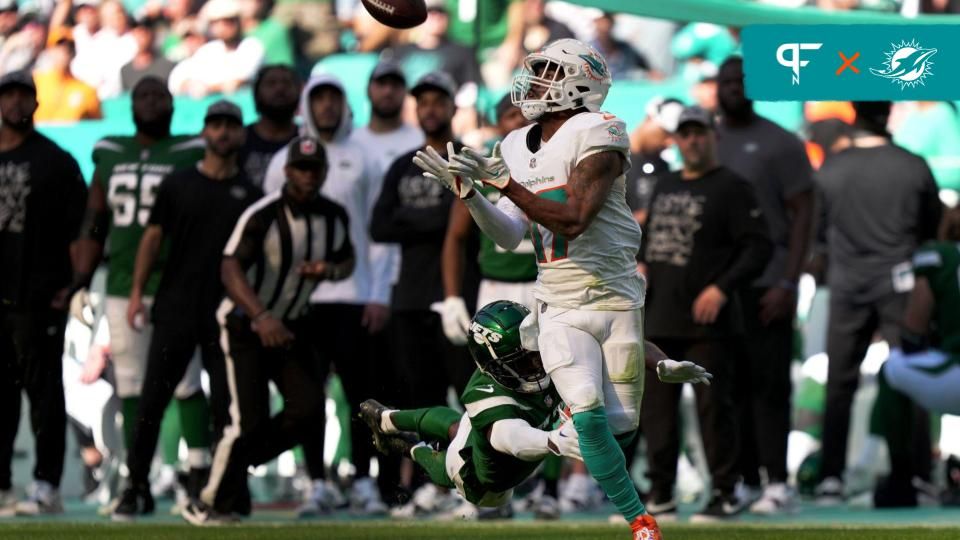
(456, 531)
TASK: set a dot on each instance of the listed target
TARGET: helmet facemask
(521, 370)
(539, 87)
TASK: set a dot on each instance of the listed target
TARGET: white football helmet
(565, 74)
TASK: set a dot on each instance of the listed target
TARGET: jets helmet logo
(480, 333)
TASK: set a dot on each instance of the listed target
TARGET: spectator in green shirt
(495, 28)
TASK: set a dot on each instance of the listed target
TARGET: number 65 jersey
(598, 269)
(130, 174)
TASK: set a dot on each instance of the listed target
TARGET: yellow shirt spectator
(63, 98)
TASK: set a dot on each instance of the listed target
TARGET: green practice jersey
(939, 262)
(501, 265)
(130, 174)
(487, 402)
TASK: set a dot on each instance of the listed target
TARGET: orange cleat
(645, 528)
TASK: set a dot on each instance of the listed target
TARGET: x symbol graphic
(848, 63)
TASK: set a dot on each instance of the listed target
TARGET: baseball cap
(388, 68)
(306, 150)
(695, 114)
(18, 78)
(8, 5)
(223, 108)
(435, 80)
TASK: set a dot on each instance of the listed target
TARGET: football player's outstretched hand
(671, 371)
(435, 168)
(564, 441)
(472, 164)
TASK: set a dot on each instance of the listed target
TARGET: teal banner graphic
(852, 62)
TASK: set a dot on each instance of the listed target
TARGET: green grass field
(459, 531)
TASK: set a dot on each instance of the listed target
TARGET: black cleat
(135, 501)
(371, 411)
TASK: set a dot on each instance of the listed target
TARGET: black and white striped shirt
(275, 235)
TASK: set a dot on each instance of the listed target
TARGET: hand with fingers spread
(671, 371)
(435, 167)
(471, 164)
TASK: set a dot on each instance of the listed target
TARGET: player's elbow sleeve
(517, 438)
(506, 231)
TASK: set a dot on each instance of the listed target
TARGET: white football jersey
(598, 269)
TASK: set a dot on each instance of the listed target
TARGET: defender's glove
(455, 319)
(564, 441)
(435, 168)
(490, 170)
(671, 371)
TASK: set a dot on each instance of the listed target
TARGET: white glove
(671, 371)
(81, 308)
(435, 168)
(471, 164)
(456, 320)
(564, 441)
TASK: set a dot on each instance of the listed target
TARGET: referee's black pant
(253, 436)
(171, 349)
(31, 359)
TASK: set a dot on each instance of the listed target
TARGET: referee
(282, 245)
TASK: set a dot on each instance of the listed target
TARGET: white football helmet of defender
(566, 74)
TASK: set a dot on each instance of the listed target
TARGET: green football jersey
(500, 264)
(939, 262)
(487, 402)
(130, 175)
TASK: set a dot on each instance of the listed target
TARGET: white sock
(386, 425)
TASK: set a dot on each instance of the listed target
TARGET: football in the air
(397, 13)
